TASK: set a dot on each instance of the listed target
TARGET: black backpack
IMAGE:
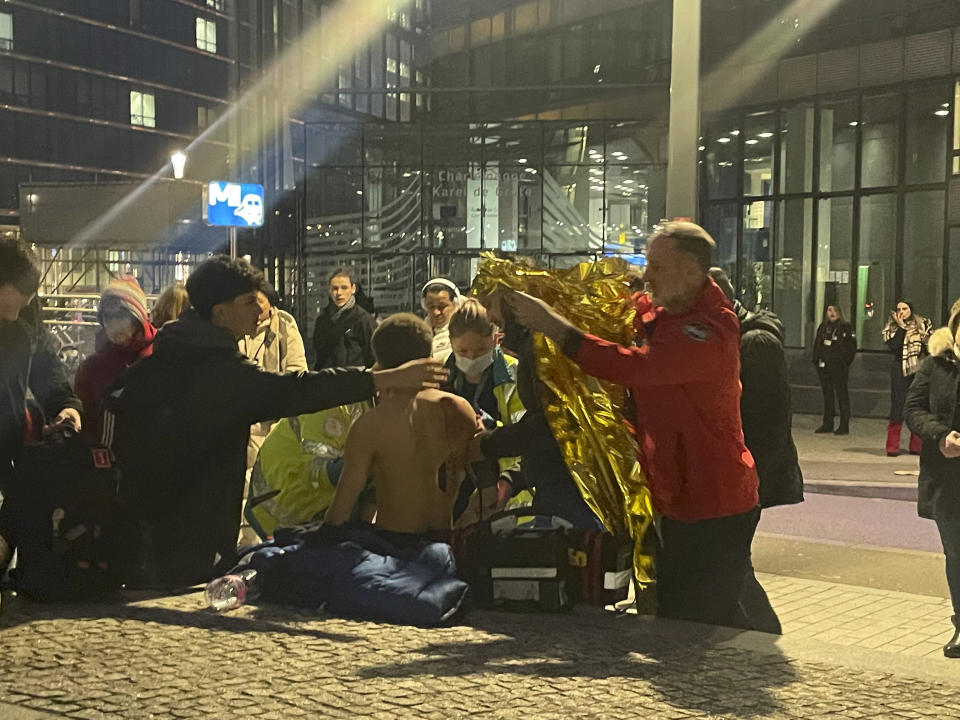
(62, 516)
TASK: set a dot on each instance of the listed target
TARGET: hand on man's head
(419, 374)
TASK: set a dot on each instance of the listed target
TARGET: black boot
(843, 428)
(827, 427)
(952, 648)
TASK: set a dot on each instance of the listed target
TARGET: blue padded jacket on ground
(358, 571)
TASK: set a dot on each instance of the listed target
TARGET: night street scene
(509, 359)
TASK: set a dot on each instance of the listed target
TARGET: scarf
(346, 306)
(916, 335)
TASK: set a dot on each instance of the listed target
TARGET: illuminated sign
(227, 204)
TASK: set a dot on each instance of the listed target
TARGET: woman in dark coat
(931, 413)
(833, 350)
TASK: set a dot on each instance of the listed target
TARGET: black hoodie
(182, 420)
(765, 407)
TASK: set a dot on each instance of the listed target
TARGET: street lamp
(179, 161)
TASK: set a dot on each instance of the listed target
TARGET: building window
(206, 116)
(207, 35)
(880, 146)
(876, 269)
(956, 128)
(6, 31)
(215, 4)
(142, 109)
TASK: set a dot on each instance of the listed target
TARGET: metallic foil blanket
(586, 414)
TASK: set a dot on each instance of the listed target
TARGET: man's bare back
(402, 444)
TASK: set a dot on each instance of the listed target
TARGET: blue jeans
(950, 537)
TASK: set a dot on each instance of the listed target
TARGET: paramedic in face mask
(485, 377)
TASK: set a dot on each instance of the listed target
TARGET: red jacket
(685, 378)
(99, 371)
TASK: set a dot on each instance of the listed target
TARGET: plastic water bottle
(231, 591)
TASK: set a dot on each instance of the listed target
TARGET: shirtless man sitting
(405, 442)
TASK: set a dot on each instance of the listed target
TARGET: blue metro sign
(227, 204)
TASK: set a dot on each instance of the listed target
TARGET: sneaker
(824, 429)
(842, 431)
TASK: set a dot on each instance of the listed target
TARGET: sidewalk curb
(854, 488)
(787, 648)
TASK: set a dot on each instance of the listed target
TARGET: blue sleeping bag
(361, 572)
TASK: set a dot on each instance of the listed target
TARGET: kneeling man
(413, 444)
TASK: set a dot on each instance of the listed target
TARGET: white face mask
(476, 366)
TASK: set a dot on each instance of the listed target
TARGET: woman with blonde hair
(172, 301)
(485, 377)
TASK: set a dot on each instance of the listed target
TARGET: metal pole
(684, 110)
(233, 242)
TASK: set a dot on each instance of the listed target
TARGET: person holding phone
(906, 334)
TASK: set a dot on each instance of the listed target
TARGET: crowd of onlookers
(420, 425)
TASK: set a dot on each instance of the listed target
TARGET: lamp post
(178, 160)
(684, 110)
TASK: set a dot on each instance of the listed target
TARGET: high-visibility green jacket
(301, 457)
(509, 406)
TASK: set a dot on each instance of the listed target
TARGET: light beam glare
(290, 83)
(775, 38)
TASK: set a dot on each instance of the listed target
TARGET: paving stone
(169, 658)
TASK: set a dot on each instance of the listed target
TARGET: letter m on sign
(230, 193)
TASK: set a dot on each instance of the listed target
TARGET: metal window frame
(900, 189)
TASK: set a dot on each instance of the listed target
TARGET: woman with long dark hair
(833, 351)
(906, 334)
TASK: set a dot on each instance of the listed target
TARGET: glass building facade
(837, 200)
(830, 152)
(539, 128)
(828, 168)
(403, 202)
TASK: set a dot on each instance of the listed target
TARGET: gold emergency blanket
(586, 414)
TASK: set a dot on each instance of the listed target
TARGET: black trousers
(702, 567)
(899, 384)
(833, 382)
(950, 537)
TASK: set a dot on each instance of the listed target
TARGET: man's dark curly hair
(220, 279)
(19, 266)
(400, 338)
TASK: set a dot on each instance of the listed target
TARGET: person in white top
(439, 299)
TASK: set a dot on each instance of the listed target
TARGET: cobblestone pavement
(170, 658)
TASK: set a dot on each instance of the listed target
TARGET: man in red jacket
(685, 378)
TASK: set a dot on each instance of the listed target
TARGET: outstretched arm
(357, 460)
